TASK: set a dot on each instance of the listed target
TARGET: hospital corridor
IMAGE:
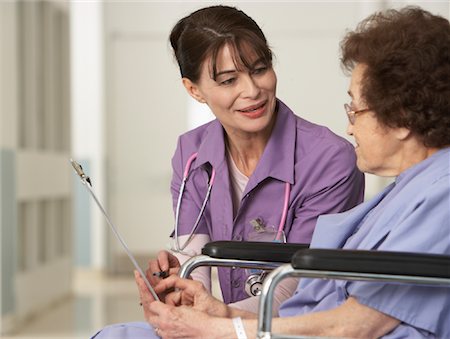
(97, 82)
(94, 302)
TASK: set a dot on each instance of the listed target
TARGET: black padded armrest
(252, 250)
(378, 262)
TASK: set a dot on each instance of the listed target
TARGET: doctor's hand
(166, 263)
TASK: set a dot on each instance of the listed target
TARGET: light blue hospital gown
(411, 215)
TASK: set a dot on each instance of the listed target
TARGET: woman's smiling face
(242, 99)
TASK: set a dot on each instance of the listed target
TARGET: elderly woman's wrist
(221, 310)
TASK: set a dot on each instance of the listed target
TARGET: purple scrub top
(319, 165)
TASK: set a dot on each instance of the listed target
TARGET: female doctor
(271, 173)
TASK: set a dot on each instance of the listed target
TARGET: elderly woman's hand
(181, 322)
(144, 294)
(192, 293)
(186, 292)
(188, 308)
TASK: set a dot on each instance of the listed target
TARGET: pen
(161, 274)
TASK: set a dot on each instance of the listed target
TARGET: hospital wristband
(239, 328)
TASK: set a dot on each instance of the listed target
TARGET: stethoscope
(176, 243)
(254, 281)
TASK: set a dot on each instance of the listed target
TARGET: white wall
(88, 125)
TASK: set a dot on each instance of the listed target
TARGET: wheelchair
(264, 256)
(297, 260)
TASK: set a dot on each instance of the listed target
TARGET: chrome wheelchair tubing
(286, 270)
(266, 299)
(204, 260)
(354, 276)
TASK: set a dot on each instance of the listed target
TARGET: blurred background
(96, 81)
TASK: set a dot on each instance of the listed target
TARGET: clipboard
(86, 181)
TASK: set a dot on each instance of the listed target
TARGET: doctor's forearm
(202, 274)
(284, 290)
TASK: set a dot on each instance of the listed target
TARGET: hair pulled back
(203, 33)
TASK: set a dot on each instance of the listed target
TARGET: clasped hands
(185, 305)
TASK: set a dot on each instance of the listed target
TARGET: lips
(254, 111)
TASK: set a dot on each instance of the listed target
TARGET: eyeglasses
(351, 114)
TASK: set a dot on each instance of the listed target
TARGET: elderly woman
(399, 117)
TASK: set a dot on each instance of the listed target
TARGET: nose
(250, 88)
(349, 129)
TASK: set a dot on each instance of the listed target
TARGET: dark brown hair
(407, 79)
(204, 32)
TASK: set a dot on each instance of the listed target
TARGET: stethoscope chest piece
(253, 284)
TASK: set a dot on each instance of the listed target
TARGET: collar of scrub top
(278, 159)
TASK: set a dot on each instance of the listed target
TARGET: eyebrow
(225, 72)
(260, 60)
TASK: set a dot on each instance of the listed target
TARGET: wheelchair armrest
(252, 250)
(356, 265)
(377, 262)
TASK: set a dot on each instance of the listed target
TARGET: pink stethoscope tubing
(180, 249)
(287, 193)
